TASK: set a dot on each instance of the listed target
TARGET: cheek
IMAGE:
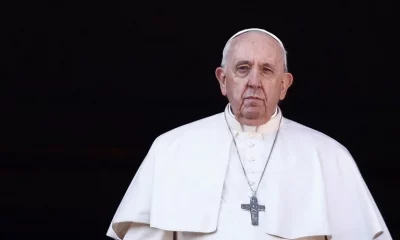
(238, 87)
(272, 90)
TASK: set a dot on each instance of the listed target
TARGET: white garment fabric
(192, 182)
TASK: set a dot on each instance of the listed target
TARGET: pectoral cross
(254, 208)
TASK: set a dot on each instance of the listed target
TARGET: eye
(267, 70)
(242, 68)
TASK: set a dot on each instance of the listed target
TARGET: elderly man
(248, 172)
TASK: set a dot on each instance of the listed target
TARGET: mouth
(253, 98)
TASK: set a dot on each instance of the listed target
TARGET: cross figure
(254, 208)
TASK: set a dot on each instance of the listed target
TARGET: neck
(251, 122)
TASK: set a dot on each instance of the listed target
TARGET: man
(248, 172)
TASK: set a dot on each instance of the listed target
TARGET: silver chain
(240, 159)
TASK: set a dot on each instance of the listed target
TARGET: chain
(240, 159)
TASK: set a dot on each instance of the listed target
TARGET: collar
(264, 129)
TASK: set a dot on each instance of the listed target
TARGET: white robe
(192, 182)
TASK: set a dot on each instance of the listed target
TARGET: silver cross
(254, 208)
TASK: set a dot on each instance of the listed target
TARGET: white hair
(229, 43)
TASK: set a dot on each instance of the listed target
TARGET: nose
(254, 79)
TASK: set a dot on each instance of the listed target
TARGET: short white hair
(229, 43)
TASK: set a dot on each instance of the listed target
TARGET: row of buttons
(251, 159)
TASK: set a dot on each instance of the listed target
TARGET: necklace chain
(237, 150)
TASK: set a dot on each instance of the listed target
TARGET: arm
(133, 213)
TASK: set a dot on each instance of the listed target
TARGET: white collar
(264, 129)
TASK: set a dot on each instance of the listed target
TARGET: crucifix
(254, 208)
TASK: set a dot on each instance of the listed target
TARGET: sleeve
(139, 231)
(136, 203)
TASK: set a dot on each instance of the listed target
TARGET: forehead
(256, 46)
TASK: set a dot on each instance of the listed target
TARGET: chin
(251, 114)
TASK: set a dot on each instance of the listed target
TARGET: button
(251, 144)
(251, 159)
(251, 183)
(251, 170)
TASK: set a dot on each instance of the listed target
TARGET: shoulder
(306, 135)
(201, 127)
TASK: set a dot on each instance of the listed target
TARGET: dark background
(87, 86)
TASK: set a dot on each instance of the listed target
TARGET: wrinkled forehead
(256, 46)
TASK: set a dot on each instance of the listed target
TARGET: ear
(287, 81)
(220, 74)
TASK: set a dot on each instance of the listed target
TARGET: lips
(253, 98)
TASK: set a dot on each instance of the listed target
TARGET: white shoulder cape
(317, 190)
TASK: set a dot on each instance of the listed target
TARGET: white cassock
(192, 182)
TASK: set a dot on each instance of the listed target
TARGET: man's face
(254, 79)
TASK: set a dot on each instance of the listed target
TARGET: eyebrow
(250, 63)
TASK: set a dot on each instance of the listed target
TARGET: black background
(87, 86)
